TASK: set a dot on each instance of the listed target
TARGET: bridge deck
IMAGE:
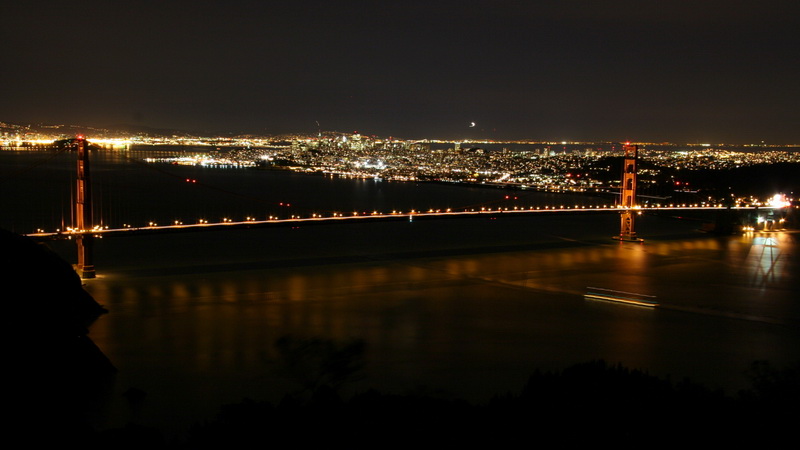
(361, 217)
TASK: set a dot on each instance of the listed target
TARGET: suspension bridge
(84, 228)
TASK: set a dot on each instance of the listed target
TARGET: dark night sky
(681, 71)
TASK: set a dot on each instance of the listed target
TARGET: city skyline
(552, 71)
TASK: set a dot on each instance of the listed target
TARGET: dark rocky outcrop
(55, 371)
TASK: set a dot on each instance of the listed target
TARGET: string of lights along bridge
(83, 230)
(375, 215)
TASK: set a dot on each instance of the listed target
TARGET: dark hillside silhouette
(57, 373)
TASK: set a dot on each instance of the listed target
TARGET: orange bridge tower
(83, 212)
(627, 198)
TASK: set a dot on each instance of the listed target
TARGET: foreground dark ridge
(584, 404)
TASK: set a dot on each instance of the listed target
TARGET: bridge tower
(83, 212)
(627, 198)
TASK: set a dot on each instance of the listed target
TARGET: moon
(472, 124)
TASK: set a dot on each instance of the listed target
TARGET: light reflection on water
(472, 324)
(765, 260)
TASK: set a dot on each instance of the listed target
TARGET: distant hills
(34, 131)
(71, 130)
(43, 131)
